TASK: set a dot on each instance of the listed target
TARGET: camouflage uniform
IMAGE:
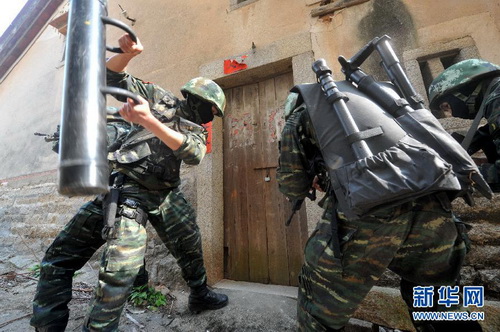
(467, 75)
(147, 187)
(417, 240)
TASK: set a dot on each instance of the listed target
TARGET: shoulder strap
(138, 137)
(472, 130)
(177, 123)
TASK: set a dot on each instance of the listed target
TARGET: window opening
(431, 66)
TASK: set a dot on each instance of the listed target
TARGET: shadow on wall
(387, 17)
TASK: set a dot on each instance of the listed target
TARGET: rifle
(297, 204)
(315, 168)
(48, 137)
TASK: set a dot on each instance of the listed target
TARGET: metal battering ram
(83, 165)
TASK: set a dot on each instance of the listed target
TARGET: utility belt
(331, 214)
(131, 209)
(115, 206)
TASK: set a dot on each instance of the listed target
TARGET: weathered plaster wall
(31, 97)
(410, 24)
(180, 37)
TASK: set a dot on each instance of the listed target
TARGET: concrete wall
(184, 39)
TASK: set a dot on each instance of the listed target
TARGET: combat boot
(51, 328)
(58, 325)
(203, 298)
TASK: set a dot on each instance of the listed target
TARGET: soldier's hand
(130, 47)
(315, 184)
(137, 113)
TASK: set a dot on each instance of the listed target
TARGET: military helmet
(206, 90)
(458, 76)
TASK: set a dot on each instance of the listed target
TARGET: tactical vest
(401, 168)
(144, 157)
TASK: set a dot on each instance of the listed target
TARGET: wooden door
(258, 245)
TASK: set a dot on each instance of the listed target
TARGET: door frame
(209, 174)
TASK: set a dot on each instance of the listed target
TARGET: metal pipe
(394, 70)
(83, 165)
(337, 100)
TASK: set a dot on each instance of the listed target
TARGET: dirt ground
(245, 311)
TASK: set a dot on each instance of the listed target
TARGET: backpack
(378, 150)
(399, 169)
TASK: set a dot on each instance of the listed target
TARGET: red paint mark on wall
(233, 65)
(208, 127)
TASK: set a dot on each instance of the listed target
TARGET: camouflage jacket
(491, 172)
(149, 161)
(300, 158)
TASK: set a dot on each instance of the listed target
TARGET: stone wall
(32, 213)
(482, 265)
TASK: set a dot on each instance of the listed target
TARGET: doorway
(258, 247)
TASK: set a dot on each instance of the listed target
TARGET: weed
(35, 270)
(145, 296)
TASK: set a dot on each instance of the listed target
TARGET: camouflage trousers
(417, 240)
(491, 173)
(173, 219)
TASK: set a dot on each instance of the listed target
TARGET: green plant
(35, 270)
(145, 296)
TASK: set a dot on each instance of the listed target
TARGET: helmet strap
(470, 100)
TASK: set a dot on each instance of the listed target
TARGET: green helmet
(206, 90)
(458, 76)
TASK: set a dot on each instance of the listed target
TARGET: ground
(246, 311)
(251, 308)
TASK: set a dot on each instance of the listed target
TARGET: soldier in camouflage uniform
(461, 89)
(417, 240)
(146, 159)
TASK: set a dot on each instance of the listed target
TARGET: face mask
(205, 112)
(458, 108)
(463, 101)
(201, 109)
